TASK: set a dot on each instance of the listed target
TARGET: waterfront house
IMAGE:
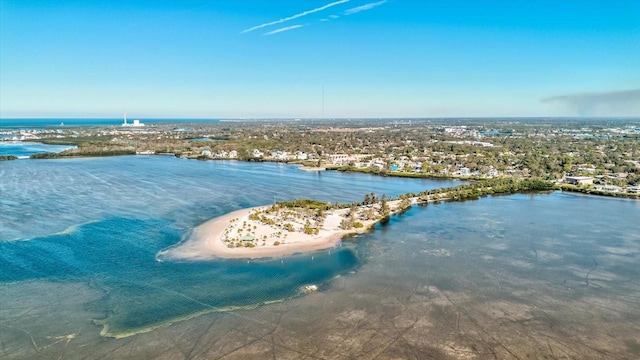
(633, 189)
(609, 188)
(579, 180)
(339, 159)
(257, 153)
(221, 155)
(300, 155)
(465, 171)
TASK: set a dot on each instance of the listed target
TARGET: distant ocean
(40, 122)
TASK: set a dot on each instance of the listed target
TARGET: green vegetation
(384, 206)
(310, 230)
(405, 204)
(306, 204)
(401, 174)
(485, 187)
(84, 152)
(346, 224)
(593, 191)
(474, 150)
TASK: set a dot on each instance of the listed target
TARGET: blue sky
(245, 59)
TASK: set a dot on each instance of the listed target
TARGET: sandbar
(261, 232)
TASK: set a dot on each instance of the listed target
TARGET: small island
(286, 228)
(283, 229)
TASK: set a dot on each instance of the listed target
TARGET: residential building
(579, 180)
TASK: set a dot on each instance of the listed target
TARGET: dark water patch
(180, 291)
(92, 248)
(117, 256)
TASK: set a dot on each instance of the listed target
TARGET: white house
(257, 153)
(579, 180)
(464, 171)
(610, 188)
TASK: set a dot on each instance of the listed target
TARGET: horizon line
(330, 118)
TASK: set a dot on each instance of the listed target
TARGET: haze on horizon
(360, 58)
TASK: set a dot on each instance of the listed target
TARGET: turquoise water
(551, 275)
(102, 221)
(118, 256)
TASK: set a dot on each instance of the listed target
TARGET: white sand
(207, 240)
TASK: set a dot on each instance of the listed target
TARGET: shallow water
(25, 149)
(102, 221)
(551, 275)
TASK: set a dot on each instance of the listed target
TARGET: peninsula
(282, 229)
(286, 228)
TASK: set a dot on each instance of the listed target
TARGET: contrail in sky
(283, 29)
(304, 13)
(369, 6)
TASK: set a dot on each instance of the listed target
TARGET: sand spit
(269, 231)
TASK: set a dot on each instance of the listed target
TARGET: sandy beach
(312, 168)
(239, 235)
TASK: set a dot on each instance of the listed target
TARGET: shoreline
(312, 168)
(207, 241)
(306, 225)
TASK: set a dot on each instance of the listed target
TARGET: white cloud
(283, 29)
(364, 7)
(292, 17)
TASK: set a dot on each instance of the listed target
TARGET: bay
(552, 274)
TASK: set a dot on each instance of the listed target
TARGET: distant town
(594, 156)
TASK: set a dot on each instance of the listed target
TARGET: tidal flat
(519, 276)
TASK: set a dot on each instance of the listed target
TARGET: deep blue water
(42, 122)
(121, 254)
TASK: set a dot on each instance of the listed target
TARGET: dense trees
(487, 187)
(544, 149)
